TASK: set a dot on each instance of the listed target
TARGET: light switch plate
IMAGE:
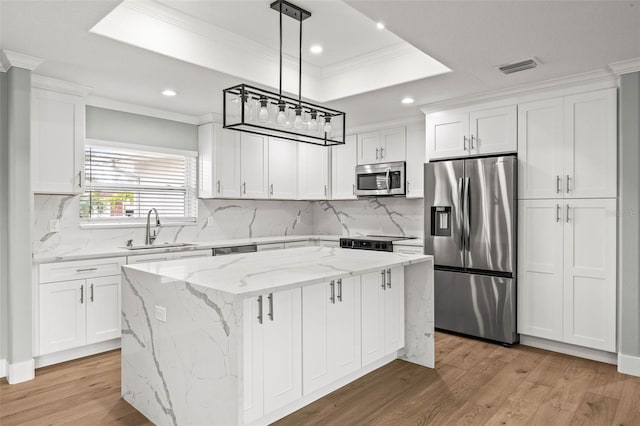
(54, 225)
(161, 313)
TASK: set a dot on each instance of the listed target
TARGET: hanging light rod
(253, 110)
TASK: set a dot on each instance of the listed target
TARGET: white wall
(3, 214)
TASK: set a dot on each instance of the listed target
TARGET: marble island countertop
(252, 273)
(95, 253)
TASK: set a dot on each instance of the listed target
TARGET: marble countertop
(255, 273)
(84, 254)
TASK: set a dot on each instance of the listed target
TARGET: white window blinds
(123, 184)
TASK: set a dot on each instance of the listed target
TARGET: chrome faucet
(149, 239)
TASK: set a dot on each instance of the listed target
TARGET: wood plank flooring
(474, 383)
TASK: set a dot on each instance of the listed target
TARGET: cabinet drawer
(80, 269)
(293, 244)
(146, 258)
(270, 246)
(408, 249)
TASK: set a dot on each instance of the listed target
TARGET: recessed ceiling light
(169, 92)
(407, 100)
(316, 49)
(380, 26)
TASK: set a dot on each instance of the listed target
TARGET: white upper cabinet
(567, 147)
(57, 142)
(415, 161)
(479, 130)
(313, 172)
(219, 157)
(254, 166)
(383, 146)
(590, 145)
(343, 169)
(282, 168)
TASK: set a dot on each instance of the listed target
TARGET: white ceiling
(470, 37)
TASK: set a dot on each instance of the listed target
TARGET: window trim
(139, 222)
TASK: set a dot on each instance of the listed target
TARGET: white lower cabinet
(566, 271)
(272, 326)
(76, 312)
(382, 313)
(331, 330)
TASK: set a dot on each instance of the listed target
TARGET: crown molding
(381, 55)
(48, 83)
(564, 84)
(625, 67)
(211, 117)
(100, 102)
(371, 127)
(9, 58)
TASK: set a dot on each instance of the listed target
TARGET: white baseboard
(21, 372)
(75, 353)
(628, 364)
(3, 368)
(568, 349)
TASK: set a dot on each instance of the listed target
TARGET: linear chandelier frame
(250, 109)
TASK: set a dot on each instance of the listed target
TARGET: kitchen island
(250, 338)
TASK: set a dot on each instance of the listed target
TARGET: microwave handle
(388, 180)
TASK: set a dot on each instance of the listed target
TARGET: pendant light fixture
(250, 109)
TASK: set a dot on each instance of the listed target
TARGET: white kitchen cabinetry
(57, 142)
(567, 147)
(219, 158)
(282, 168)
(416, 158)
(272, 325)
(313, 172)
(254, 166)
(331, 329)
(159, 257)
(78, 303)
(294, 244)
(269, 246)
(397, 248)
(382, 313)
(479, 130)
(383, 146)
(566, 271)
(343, 169)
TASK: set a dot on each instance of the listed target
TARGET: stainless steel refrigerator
(470, 229)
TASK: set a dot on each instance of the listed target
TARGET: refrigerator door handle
(467, 213)
(461, 212)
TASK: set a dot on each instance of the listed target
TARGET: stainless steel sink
(157, 246)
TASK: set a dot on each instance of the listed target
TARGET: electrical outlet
(161, 313)
(210, 221)
(54, 225)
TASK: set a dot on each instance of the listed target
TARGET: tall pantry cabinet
(567, 219)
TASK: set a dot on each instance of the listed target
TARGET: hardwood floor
(475, 383)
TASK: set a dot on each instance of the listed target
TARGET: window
(123, 183)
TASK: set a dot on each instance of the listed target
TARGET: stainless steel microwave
(374, 180)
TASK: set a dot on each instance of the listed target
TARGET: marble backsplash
(217, 220)
(369, 216)
(228, 219)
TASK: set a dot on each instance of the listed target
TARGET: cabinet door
(393, 144)
(206, 182)
(103, 308)
(57, 138)
(254, 169)
(493, 130)
(540, 149)
(540, 291)
(415, 161)
(227, 162)
(344, 338)
(447, 134)
(253, 356)
(394, 310)
(372, 317)
(590, 145)
(343, 169)
(313, 172)
(62, 315)
(316, 331)
(283, 162)
(282, 330)
(369, 145)
(590, 273)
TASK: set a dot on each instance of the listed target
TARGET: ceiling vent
(519, 66)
